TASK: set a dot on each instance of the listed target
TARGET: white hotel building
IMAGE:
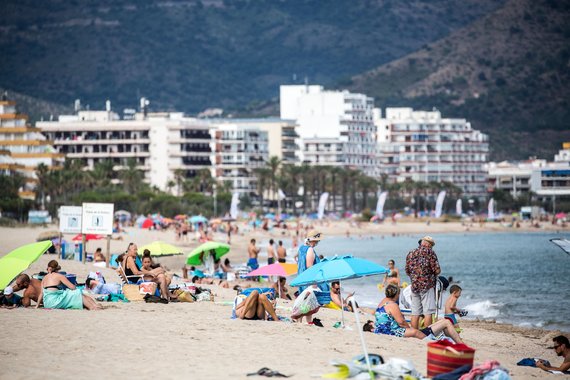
(336, 128)
(163, 143)
(423, 146)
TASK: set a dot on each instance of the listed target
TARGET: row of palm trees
(349, 189)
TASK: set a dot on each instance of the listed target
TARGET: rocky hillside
(507, 72)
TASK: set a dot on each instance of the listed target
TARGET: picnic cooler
(444, 356)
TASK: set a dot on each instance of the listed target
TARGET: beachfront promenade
(200, 341)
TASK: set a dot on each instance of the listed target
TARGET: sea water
(517, 278)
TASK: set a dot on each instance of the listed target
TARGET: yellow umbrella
(160, 248)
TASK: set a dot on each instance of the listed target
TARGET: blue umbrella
(198, 219)
(269, 216)
(337, 269)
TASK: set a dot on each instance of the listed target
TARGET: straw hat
(429, 239)
(314, 235)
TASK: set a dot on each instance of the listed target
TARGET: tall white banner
(234, 211)
(491, 209)
(439, 204)
(459, 207)
(380, 205)
(322, 204)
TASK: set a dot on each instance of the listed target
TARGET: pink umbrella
(560, 215)
(277, 269)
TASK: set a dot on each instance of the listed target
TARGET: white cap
(9, 290)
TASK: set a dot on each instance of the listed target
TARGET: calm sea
(521, 279)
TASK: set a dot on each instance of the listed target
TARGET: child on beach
(451, 306)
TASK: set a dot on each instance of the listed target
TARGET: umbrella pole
(83, 248)
(357, 318)
(341, 304)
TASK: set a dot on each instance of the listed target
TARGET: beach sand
(200, 341)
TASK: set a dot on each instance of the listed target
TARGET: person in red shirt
(423, 268)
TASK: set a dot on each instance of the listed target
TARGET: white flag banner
(459, 207)
(281, 194)
(380, 205)
(439, 203)
(301, 191)
(322, 204)
(234, 210)
(491, 209)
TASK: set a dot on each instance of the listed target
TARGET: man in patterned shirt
(423, 267)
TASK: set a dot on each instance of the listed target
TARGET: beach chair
(134, 279)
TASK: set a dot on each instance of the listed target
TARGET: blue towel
(531, 362)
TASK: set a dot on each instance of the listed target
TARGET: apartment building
(240, 150)
(324, 116)
(423, 146)
(23, 147)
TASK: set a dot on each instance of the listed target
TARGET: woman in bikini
(390, 320)
(132, 270)
(55, 298)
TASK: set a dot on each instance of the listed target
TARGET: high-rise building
(423, 146)
(335, 127)
(23, 147)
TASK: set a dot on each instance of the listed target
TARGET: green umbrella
(160, 248)
(196, 256)
(19, 260)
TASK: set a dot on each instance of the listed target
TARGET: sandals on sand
(267, 373)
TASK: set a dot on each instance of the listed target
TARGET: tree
(131, 176)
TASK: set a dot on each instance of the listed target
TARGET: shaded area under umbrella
(19, 260)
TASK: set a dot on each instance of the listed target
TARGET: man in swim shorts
(253, 251)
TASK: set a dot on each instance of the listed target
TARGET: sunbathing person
(210, 281)
(9, 299)
(32, 288)
(132, 270)
(98, 286)
(157, 275)
(255, 306)
(280, 288)
(54, 298)
(390, 320)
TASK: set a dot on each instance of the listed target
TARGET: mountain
(35, 108)
(188, 55)
(507, 73)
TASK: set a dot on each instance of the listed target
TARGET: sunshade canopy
(19, 260)
(276, 269)
(197, 255)
(160, 248)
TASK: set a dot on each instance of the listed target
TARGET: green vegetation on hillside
(187, 55)
(507, 73)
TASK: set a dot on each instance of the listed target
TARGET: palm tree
(366, 184)
(132, 177)
(273, 165)
(102, 173)
(179, 178)
(263, 177)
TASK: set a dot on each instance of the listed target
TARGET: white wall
(159, 147)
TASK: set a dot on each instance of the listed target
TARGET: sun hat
(429, 239)
(314, 235)
(9, 290)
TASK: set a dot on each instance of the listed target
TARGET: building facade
(324, 116)
(23, 147)
(423, 146)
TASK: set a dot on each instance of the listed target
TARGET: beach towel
(481, 370)
(63, 299)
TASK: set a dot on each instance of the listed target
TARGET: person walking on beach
(422, 266)
(307, 257)
(281, 252)
(253, 251)
(270, 252)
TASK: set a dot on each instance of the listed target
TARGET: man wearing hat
(422, 267)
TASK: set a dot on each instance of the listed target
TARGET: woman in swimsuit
(392, 277)
(390, 320)
(55, 298)
(256, 306)
(157, 275)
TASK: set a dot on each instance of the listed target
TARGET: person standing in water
(270, 252)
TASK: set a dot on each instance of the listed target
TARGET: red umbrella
(88, 237)
(148, 223)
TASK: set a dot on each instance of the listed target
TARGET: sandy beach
(200, 341)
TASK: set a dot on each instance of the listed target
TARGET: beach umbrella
(269, 215)
(198, 219)
(147, 223)
(228, 219)
(196, 257)
(276, 269)
(160, 248)
(88, 237)
(338, 269)
(48, 235)
(19, 260)
(180, 217)
(560, 215)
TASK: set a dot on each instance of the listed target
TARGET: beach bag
(444, 356)
(305, 303)
(147, 288)
(132, 293)
(184, 296)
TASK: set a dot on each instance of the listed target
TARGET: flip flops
(267, 373)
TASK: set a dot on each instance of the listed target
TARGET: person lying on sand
(32, 288)
(390, 320)
(561, 348)
(255, 306)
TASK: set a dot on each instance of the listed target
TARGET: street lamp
(214, 188)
